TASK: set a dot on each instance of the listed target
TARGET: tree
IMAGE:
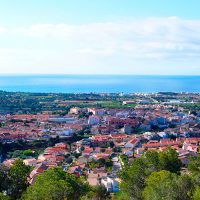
(196, 194)
(152, 160)
(3, 197)
(167, 186)
(112, 144)
(196, 178)
(109, 163)
(101, 193)
(82, 148)
(124, 159)
(69, 160)
(102, 150)
(3, 178)
(17, 176)
(101, 162)
(55, 184)
(76, 155)
(53, 141)
(117, 149)
(168, 160)
(133, 178)
(194, 164)
(28, 152)
(1, 148)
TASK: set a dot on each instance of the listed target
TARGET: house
(30, 162)
(94, 179)
(61, 145)
(9, 162)
(127, 129)
(76, 170)
(111, 184)
(127, 152)
(87, 151)
(74, 110)
(162, 143)
(119, 137)
(128, 102)
(39, 169)
(97, 140)
(93, 120)
(95, 111)
(65, 132)
(139, 151)
(163, 134)
(132, 143)
(97, 156)
(59, 119)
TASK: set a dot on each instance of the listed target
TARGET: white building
(110, 184)
(69, 120)
(65, 132)
(30, 162)
(95, 111)
(93, 120)
(74, 110)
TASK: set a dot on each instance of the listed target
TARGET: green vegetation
(113, 104)
(17, 148)
(22, 102)
(192, 107)
(3, 197)
(168, 185)
(23, 154)
(157, 176)
(17, 179)
(97, 193)
(13, 181)
(196, 193)
(123, 159)
(153, 176)
(194, 164)
(117, 149)
(101, 163)
(56, 184)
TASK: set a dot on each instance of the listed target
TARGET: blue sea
(99, 83)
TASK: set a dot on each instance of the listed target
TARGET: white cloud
(2, 29)
(138, 37)
(137, 46)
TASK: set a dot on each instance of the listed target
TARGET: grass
(108, 104)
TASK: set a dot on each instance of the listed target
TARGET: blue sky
(100, 37)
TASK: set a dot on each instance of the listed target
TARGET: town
(96, 135)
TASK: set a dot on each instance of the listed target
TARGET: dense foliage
(56, 184)
(22, 102)
(157, 176)
(13, 181)
(153, 176)
(53, 184)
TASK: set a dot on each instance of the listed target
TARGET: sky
(142, 37)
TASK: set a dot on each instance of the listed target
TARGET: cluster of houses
(110, 133)
(41, 126)
(104, 147)
(143, 118)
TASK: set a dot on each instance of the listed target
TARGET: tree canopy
(134, 176)
(167, 186)
(17, 176)
(55, 184)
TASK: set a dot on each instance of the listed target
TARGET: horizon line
(65, 74)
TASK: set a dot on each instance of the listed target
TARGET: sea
(99, 83)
